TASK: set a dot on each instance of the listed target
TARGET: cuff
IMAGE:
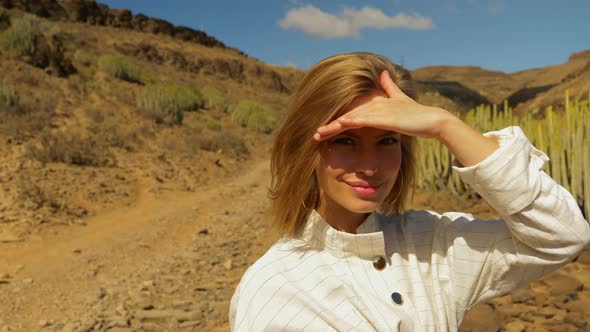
(509, 179)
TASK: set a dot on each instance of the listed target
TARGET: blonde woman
(351, 258)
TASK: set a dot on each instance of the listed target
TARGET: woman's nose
(367, 162)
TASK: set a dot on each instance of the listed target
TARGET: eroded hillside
(91, 111)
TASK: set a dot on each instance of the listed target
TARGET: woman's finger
(334, 128)
(330, 127)
(389, 85)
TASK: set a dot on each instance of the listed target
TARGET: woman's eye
(388, 140)
(343, 140)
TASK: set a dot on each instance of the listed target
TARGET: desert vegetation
(564, 135)
(118, 66)
(9, 100)
(20, 37)
(251, 114)
(171, 101)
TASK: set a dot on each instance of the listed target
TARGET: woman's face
(358, 167)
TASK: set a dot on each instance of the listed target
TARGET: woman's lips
(363, 188)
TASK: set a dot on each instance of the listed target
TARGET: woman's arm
(465, 143)
(542, 227)
(401, 113)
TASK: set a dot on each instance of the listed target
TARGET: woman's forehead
(362, 99)
(369, 132)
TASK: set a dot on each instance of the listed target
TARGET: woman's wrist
(467, 144)
(446, 123)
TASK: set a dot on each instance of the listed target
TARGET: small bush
(71, 148)
(227, 143)
(119, 67)
(31, 116)
(214, 99)
(83, 58)
(109, 132)
(9, 99)
(186, 141)
(251, 114)
(21, 35)
(213, 125)
(36, 196)
(263, 122)
(160, 101)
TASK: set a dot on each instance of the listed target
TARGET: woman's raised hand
(397, 112)
(402, 114)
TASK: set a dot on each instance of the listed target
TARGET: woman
(352, 259)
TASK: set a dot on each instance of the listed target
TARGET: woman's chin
(362, 207)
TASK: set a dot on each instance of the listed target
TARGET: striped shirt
(420, 271)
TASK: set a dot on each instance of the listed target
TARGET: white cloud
(316, 23)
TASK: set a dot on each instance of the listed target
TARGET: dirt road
(169, 262)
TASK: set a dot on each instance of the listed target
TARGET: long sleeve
(542, 226)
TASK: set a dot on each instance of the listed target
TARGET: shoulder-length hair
(326, 89)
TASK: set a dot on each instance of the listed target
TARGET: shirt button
(379, 262)
(397, 298)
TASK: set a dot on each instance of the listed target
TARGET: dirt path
(165, 263)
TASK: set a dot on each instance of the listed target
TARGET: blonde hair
(326, 89)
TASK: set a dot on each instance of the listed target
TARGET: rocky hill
(97, 96)
(527, 90)
(94, 13)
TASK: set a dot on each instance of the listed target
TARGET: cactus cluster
(564, 135)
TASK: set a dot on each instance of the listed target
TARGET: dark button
(397, 298)
(379, 262)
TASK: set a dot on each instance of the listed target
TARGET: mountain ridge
(456, 87)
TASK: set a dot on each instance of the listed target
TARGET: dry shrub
(162, 102)
(252, 114)
(34, 196)
(186, 141)
(119, 67)
(228, 143)
(20, 37)
(213, 124)
(32, 117)
(214, 99)
(21, 127)
(107, 130)
(190, 140)
(9, 99)
(84, 58)
(70, 147)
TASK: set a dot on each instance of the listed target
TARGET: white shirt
(436, 266)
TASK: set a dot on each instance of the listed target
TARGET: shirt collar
(366, 244)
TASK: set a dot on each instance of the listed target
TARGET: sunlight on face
(358, 168)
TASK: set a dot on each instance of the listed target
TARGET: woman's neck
(340, 218)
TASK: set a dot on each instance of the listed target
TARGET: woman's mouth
(363, 189)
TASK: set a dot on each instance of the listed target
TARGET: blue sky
(497, 35)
